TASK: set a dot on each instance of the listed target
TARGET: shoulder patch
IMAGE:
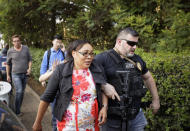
(139, 67)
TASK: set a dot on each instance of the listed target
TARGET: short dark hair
(128, 30)
(57, 36)
(16, 36)
(74, 46)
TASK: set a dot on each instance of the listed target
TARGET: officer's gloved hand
(110, 91)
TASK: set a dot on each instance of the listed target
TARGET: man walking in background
(54, 55)
(20, 61)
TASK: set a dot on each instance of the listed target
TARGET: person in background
(44, 77)
(54, 55)
(3, 59)
(19, 62)
(4, 50)
(126, 71)
(77, 85)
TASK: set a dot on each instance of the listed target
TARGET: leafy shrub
(172, 75)
(176, 37)
(37, 55)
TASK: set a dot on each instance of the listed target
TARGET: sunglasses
(86, 54)
(131, 43)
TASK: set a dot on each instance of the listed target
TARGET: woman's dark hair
(74, 46)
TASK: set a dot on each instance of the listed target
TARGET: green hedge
(37, 55)
(172, 76)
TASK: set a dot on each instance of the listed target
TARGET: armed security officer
(127, 72)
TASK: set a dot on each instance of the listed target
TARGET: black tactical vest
(128, 83)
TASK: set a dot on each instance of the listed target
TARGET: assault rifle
(127, 106)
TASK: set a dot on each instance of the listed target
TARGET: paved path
(29, 108)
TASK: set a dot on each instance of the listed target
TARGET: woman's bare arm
(37, 126)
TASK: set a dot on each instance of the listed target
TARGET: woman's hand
(102, 115)
(37, 127)
(43, 84)
(110, 91)
(55, 63)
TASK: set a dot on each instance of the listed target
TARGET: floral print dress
(82, 112)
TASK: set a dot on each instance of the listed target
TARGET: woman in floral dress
(76, 84)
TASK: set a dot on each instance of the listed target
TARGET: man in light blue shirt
(55, 54)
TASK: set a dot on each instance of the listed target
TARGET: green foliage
(131, 14)
(37, 56)
(33, 20)
(172, 75)
(162, 25)
(176, 37)
(91, 22)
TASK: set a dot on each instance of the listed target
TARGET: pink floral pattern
(68, 115)
(85, 97)
(82, 113)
